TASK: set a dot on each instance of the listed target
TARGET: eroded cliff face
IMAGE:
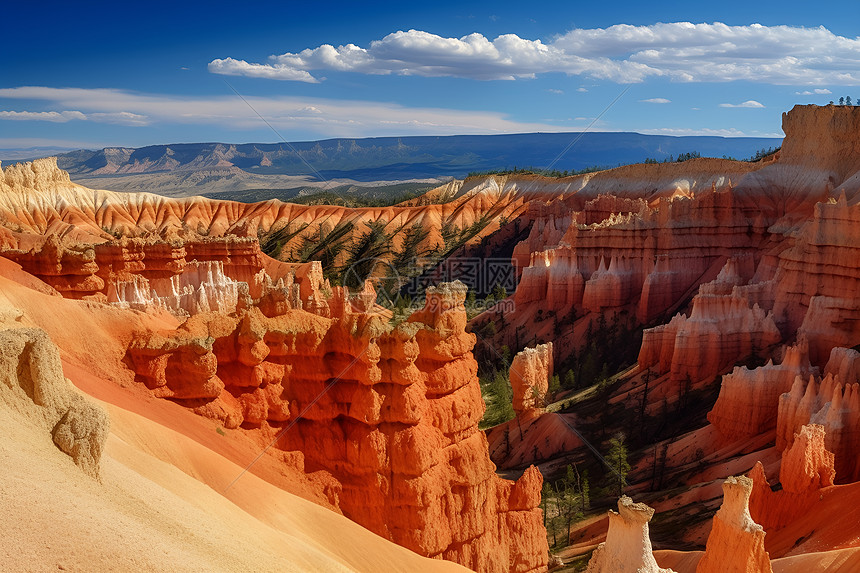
(391, 414)
(748, 403)
(385, 417)
(719, 331)
(807, 467)
(746, 278)
(643, 256)
(836, 408)
(769, 250)
(37, 199)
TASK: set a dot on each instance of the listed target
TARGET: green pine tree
(617, 459)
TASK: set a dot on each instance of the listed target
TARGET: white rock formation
(627, 548)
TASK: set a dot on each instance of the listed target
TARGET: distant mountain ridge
(377, 169)
(398, 158)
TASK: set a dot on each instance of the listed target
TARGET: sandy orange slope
(161, 503)
(148, 515)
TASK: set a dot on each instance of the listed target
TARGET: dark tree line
(555, 173)
(610, 346)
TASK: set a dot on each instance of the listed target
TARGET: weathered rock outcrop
(818, 280)
(736, 542)
(748, 403)
(553, 278)
(32, 383)
(70, 269)
(784, 232)
(807, 466)
(720, 331)
(391, 414)
(750, 257)
(38, 199)
(184, 277)
(834, 407)
(844, 364)
(201, 287)
(627, 548)
(529, 374)
(648, 256)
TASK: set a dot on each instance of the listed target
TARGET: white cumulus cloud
(748, 103)
(816, 91)
(53, 116)
(232, 67)
(122, 117)
(680, 51)
(336, 118)
(656, 100)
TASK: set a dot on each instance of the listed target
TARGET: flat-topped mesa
(720, 331)
(736, 542)
(627, 548)
(748, 403)
(529, 374)
(822, 138)
(807, 467)
(836, 408)
(391, 414)
(820, 158)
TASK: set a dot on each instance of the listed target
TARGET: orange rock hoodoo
(835, 408)
(724, 325)
(264, 342)
(181, 276)
(649, 257)
(736, 542)
(530, 372)
(391, 414)
(807, 466)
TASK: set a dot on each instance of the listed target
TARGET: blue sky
(86, 75)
